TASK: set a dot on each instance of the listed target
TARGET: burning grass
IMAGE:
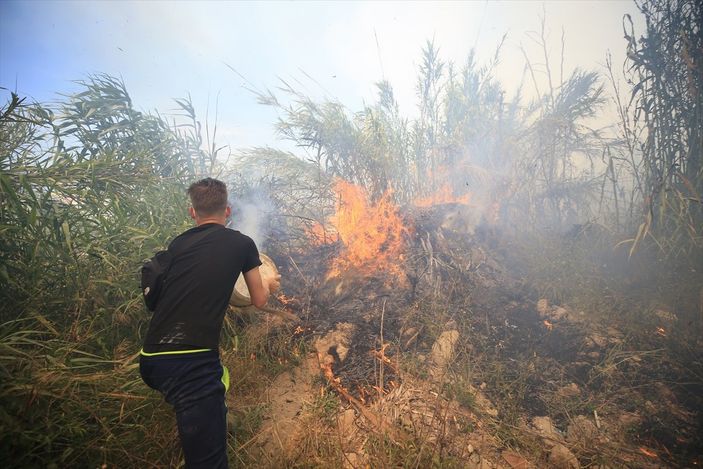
(516, 359)
(372, 235)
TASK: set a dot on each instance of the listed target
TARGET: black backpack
(154, 270)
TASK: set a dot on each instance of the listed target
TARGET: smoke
(251, 214)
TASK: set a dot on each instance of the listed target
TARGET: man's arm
(259, 290)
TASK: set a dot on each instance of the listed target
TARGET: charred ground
(619, 389)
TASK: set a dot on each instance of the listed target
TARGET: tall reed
(88, 189)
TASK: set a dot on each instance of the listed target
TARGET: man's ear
(191, 211)
(228, 211)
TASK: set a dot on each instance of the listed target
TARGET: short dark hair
(208, 196)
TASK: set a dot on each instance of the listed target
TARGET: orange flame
(286, 300)
(661, 331)
(647, 452)
(373, 235)
(321, 234)
(548, 325)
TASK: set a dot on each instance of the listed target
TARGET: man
(180, 357)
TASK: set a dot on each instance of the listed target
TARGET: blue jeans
(194, 384)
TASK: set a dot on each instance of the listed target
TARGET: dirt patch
(289, 397)
(286, 399)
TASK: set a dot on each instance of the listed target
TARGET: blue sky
(164, 50)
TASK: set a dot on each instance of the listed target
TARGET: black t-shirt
(197, 289)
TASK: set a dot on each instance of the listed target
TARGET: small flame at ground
(285, 300)
(647, 452)
(548, 325)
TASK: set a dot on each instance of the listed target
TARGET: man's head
(209, 200)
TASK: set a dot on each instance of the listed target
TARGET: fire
(373, 235)
(661, 331)
(648, 452)
(444, 195)
(548, 325)
(321, 234)
(285, 300)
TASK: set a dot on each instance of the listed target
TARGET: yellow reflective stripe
(173, 352)
(225, 377)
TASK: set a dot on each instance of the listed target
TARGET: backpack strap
(155, 271)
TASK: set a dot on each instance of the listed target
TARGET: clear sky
(166, 49)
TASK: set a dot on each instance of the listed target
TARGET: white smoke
(251, 215)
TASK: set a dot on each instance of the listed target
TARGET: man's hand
(260, 289)
(274, 284)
